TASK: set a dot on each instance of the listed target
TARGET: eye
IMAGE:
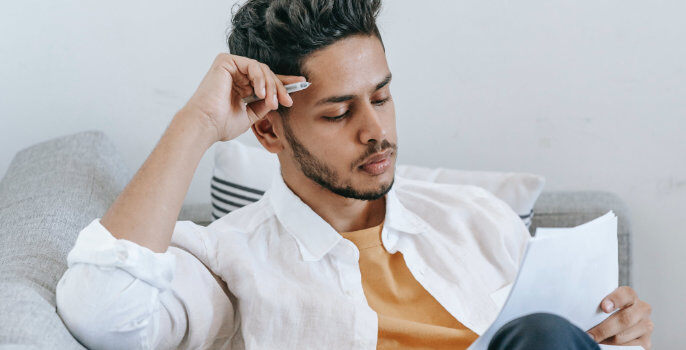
(338, 117)
(380, 102)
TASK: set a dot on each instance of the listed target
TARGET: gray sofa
(53, 189)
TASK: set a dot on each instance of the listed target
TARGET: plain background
(589, 94)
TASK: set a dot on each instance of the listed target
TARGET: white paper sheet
(565, 271)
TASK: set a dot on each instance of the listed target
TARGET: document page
(564, 271)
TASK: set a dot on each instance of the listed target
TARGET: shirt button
(349, 293)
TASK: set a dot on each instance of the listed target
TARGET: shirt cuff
(96, 245)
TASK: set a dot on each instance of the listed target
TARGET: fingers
(252, 77)
(257, 77)
(258, 109)
(280, 95)
(266, 84)
(253, 70)
(642, 328)
(239, 80)
(643, 341)
(271, 99)
(290, 79)
(252, 116)
(619, 298)
(283, 96)
(620, 321)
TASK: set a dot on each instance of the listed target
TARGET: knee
(542, 331)
(542, 322)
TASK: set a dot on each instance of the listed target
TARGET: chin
(376, 182)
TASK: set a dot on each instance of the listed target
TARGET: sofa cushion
(50, 191)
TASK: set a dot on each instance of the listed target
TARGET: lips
(377, 158)
(377, 164)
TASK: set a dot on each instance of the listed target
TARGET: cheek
(332, 148)
(341, 155)
(390, 125)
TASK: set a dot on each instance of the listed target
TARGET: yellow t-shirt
(409, 317)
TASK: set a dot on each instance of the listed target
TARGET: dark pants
(541, 331)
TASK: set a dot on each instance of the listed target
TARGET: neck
(343, 214)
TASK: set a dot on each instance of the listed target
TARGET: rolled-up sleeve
(117, 294)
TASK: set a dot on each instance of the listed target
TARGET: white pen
(289, 88)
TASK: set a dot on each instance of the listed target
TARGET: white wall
(589, 94)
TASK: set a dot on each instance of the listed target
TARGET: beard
(319, 172)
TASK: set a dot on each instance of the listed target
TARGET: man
(339, 253)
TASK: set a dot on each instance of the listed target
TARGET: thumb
(257, 110)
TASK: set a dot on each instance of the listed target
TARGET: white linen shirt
(293, 281)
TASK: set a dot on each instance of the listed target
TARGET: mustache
(376, 147)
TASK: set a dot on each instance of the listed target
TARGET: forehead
(354, 63)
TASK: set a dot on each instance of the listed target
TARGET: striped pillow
(243, 173)
(228, 196)
(241, 176)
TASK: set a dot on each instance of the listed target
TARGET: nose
(372, 128)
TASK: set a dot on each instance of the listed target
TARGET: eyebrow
(342, 98)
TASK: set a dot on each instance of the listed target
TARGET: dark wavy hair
(281, 33)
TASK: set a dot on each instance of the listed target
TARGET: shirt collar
(316, 237)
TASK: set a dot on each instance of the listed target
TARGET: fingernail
(264, 92)
(608, 305)
(276, 101)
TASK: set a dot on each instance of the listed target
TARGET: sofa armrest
(199, 213)
(572, 208)
(50, 191)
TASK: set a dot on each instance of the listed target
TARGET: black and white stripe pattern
(527, 218)
(228, 196)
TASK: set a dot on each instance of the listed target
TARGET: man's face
(345, 120)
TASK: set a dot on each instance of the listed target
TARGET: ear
(265, 130)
